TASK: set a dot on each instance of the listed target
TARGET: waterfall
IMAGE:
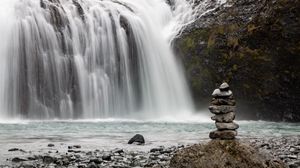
(85, 59)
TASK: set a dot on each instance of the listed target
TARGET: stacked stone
(223, 106)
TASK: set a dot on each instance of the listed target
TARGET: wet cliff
(252, 44)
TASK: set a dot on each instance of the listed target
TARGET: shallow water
(112, 133)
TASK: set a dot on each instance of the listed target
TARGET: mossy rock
(223, 154)
(253, 45)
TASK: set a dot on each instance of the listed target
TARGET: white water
(91, 59)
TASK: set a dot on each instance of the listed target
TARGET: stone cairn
(223, 106)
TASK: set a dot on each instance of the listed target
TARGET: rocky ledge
(253, 45)
(279, 149)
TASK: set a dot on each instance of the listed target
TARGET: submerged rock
(138, 138)
(13, 149)
(51, 145)
(17, 159)
(223, 154)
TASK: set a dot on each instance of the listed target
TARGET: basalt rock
(254, 44)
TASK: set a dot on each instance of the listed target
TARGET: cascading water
(71, 59)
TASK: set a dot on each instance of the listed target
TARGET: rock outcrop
(223, 154)
(254, 45)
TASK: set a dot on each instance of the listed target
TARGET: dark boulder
(13, 149)
(51, 145)
(17, 159)
(138, 138)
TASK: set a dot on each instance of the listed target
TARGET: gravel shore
(285, 148)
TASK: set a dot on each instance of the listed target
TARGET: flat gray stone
(226, 135)
(223, 94)
(221, 109)
(225, 118)
(221, 101)
(226, 126)
(17, 159)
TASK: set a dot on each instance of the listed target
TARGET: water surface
(109, 134)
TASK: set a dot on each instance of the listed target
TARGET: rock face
(254, 45)
(224, 113)
(138, 138)
(223, 154)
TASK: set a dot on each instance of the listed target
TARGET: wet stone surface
(117, 158)
(285, 148)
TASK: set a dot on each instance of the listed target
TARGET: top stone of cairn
(224, 87)
(223, 91)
